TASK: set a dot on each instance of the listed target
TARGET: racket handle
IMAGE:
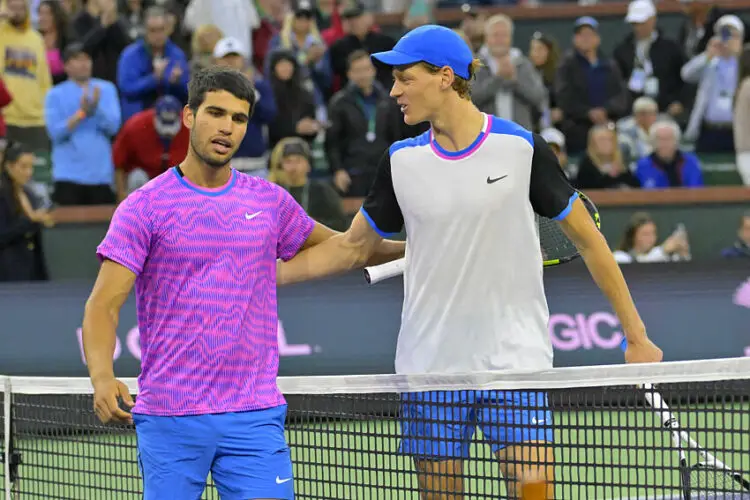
(375, 274)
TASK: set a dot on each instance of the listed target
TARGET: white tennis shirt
(473, 290)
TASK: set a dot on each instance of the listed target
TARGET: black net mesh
(606, 442)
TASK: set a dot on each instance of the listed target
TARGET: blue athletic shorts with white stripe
(245, 452)
(439, 425)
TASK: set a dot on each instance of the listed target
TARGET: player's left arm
(386, 251)
(552, 196)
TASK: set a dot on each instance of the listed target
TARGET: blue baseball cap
(586, 21)
(436, 45)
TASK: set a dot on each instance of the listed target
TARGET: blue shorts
(439, 425)
(245, 452)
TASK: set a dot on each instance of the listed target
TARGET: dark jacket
(739, 250)
(322, 203)
(571, 87)
(590, 177)
(104, 45)
(708, 32)
(347, 146)
(667, 59)
(373, 42)
(21, 257)
(293, 102)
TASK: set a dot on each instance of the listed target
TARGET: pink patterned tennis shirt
(205, 261)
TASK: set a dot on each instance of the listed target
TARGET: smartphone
(725, 33)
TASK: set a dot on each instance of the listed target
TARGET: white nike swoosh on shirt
(251, 216)
(278, 479)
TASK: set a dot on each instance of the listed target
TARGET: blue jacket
(82, 155)
(254, 145)
(739, 249)
(139, 88)
(653, 175)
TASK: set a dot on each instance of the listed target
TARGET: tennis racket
(709, 475)
(556, 246)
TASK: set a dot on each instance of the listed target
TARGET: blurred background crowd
(91, 93)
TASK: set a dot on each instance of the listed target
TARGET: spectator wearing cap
(295, 104)
(151, 67)
(742, 118)
(556, 141)
(82, 116)
(361, 37)
(23, 65)
(716, 72)
(355, 142)
(633, 131)
(603, 167)
(667, 166)
(507, 85)
(235, 18)
(106, 40)
(589, 88)
(150, 142)
(290, 168)
(300, 36)
(251, 156)
(635, 57)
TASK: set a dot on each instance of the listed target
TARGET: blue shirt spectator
(151, 67)
(667, 166)
(82, 115)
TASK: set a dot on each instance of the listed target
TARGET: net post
(6, 435)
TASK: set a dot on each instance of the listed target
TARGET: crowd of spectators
(97, 87)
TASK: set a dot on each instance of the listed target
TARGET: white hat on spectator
(730, 21)
(640, 11)
(229, 45)
(553, 137)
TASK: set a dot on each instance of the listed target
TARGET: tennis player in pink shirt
(200, 244)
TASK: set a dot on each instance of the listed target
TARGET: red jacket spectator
(5, 99)
(139, 145)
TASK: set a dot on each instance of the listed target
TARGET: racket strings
(554, 242)
(711, 480)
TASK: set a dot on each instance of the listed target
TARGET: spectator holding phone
(639, 243)
(716, 73)
(21, 257)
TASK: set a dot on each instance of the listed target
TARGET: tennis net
(345, 434)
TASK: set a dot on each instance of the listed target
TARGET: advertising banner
(343, 326)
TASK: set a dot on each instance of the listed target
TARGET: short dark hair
(356, 56)
(216, 78)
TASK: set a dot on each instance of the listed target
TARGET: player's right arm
(123, 253)
(380, 217)
(112, 287)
